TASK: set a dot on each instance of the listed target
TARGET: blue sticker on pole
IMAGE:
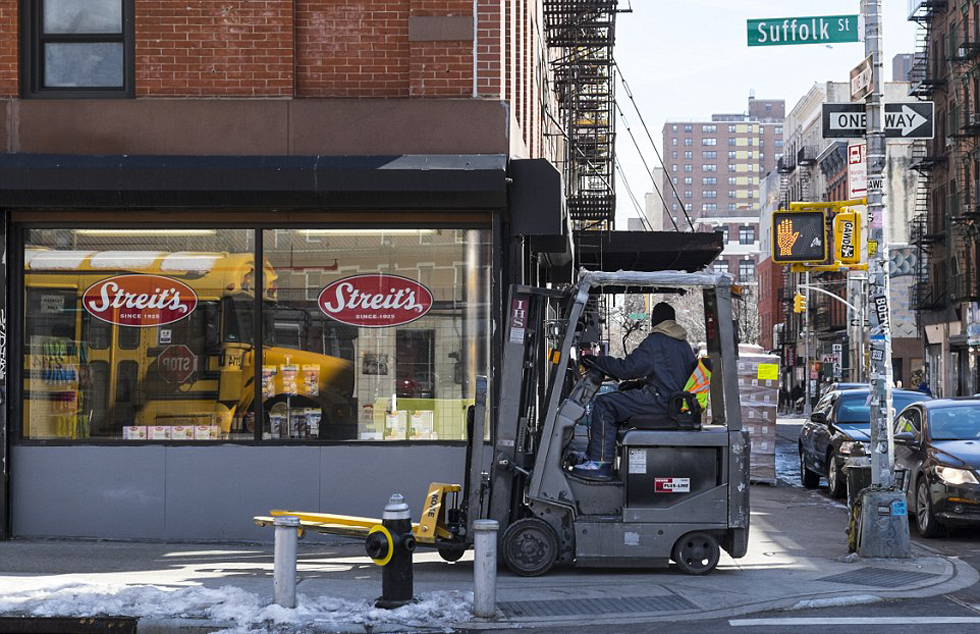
(899, 509)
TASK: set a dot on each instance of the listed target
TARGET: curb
(960, 574)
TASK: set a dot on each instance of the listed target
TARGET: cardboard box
(182, 432)
(159, 432)
(203, 432)
(137, 432)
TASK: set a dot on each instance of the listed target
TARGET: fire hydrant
(391, 545)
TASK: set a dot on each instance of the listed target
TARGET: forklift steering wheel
(589, 363)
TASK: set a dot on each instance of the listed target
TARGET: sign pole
(884, 528)
(807, 407)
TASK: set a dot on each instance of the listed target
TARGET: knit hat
(662, 312)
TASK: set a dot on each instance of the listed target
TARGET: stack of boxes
(758, 386)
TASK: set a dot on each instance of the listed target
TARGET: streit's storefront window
(150, 335)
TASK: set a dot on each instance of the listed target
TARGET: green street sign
(638, 315)
(828, 29)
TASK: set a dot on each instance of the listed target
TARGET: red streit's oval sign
(139, 300)
(375, 301)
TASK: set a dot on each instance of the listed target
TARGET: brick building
(398, 151)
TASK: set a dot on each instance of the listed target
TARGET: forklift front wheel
(530, 547)
(696, 553)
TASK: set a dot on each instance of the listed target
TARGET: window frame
(32, 42)
(16, 323)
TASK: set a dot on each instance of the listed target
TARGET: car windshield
(957, 422)
(855, 409)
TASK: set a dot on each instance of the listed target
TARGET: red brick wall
(352, 48)
(441, 69)
(770, 278)
(241, 48)
(9, 84)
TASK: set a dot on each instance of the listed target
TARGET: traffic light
(799, 236)
(799, 303)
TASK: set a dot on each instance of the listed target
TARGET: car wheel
(836, 483)
(925, 522)
(810, 479)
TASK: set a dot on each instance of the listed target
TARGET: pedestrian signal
(799, 236)
(799, 303)
(847, 237)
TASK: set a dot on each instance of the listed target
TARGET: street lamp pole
(884, 528)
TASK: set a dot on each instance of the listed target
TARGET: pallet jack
(682, 486)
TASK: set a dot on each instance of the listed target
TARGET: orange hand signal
(786, 237)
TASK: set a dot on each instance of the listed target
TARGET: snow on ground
(48, 597)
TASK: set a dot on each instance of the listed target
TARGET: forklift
(681, 491)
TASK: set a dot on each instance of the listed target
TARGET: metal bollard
(485, 568)
(391, 546)
(284, 566)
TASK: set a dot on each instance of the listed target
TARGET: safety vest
(698, 383)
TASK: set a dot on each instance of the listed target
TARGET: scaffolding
(582, 33)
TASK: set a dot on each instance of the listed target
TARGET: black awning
(646, 250)
(407, 182)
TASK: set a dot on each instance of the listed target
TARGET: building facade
(945, 291)
(253, 252)
(713, 171)
(815, 169)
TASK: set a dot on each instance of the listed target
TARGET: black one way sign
(904, 120)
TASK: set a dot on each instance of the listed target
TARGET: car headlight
(951, 475)
(852, 447)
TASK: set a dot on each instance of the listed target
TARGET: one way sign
(905, 120)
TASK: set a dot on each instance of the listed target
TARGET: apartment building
(713, 169)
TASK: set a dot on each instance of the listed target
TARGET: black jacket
(663, 360)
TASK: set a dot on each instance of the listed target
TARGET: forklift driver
(664, 361)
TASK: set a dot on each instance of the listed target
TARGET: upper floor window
(688, 155)
(78, 49)
(710, 129)
(709, 141)
(688, 142)
(746, 235)
(688, 127)
(731, 128)
(709, 154)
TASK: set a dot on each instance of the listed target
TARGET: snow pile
(24, 596)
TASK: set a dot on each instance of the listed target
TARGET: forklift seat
(683, 414)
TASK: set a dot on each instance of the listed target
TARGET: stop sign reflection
(176, 363)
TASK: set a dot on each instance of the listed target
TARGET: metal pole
(485, 568)
(859, 302)
(807, 408)
(884, 522)
(284, 561)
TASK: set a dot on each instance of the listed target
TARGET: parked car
(937, 443)
(840, 428)
(846, 386)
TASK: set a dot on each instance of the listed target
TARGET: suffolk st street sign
(828, 29)
(903, 120)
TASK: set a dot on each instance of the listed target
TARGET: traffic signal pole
(807, 406)
(883, 526)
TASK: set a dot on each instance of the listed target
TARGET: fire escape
(927, 231)
(582, 34)
(963, 123)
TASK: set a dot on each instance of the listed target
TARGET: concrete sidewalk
(797, 558)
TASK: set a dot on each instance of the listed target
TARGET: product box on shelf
(182, 432)
(135, 432)
(159, 432)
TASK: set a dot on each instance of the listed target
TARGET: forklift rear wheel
(696, 553)
(450, 554)
(530, 547)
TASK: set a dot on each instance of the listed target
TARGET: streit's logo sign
(139, 300)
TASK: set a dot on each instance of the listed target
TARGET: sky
(689, 59)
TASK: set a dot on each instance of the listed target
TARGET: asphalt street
(954, 613)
